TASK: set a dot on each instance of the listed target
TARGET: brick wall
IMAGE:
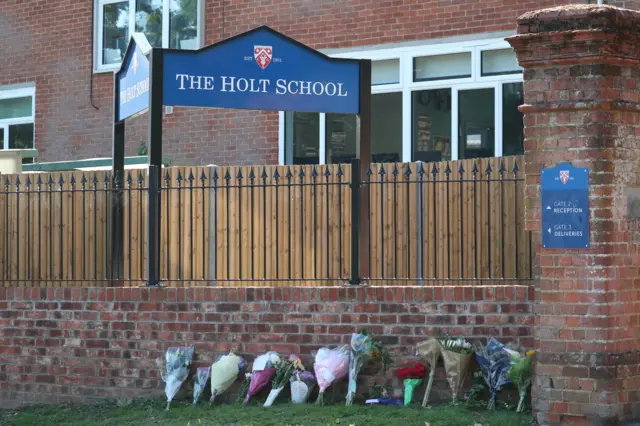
(84, 344)
(49, 43)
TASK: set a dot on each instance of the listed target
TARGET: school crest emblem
(263, 55)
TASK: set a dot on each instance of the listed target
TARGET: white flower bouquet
(224, 372)
(200, 382)
(174, 369)
(456, 354)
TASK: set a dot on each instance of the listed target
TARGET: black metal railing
(430, 222)
(457, 221)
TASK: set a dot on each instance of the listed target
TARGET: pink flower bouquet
(331, 365)
(263, 371)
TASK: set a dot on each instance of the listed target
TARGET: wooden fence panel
(448, 221)
(55, 229)
(452, 222)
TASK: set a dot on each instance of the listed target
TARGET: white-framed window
(435, 102)
(175, 24)
(17, 118)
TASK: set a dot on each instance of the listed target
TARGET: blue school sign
(133, 78)
(565, 207)
(261, 69)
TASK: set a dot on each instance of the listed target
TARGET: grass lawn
(152, 412)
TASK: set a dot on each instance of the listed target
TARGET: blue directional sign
(261, 69)
(133, 78)
(565, 207)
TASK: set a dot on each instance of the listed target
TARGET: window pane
(149, 20)
(340, 138)
(183, 24)
(477, 123)
(21, 136)
(386, 128)
(385, 72)
(512, 121)
(115, 32)
(16, 107)
(441, 67)
(431, 124)
(1, 137)
(302, 137)
(498, 62)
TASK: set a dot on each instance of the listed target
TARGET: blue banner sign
(565, 207)
(263, 70)
(133, 79)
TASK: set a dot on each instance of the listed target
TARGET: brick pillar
(582, 105)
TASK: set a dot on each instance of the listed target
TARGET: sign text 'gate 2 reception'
(565, 207)
(261, 69)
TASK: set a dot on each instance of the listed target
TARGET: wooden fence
(273, 225)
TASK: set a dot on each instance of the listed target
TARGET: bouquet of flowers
(202, 376)
(263, 371)
(284, 371)
(429, 351)
(224, 372)
(174, 369)
(495, 363)
(302, 381)
(456, 354)
(360, 349)
(330, 366)
(520, 374)
(363, 347)
(412, 377)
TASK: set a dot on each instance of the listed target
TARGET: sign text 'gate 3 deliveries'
(565, 207)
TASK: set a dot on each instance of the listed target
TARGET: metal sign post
(260, 69)
(130, 97)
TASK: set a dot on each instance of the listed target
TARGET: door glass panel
(431, 124)
(302, 137)
(340, 138)
(386, 127)
(512, 119)
(476, 118)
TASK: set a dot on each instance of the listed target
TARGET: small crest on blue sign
(565, 207)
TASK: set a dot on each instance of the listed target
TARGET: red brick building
(446, 84)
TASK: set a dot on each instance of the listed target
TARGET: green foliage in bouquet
(377, 352)
(244, 388)
(284, 371)
(378, 391)
(520, 375)
(477, 387)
